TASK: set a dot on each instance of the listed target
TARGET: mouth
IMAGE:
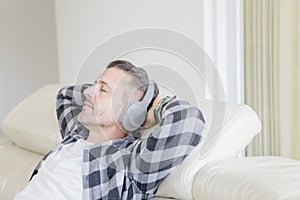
(87, 104)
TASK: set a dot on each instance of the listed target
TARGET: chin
(86, 120)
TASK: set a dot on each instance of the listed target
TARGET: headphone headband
(148, 94)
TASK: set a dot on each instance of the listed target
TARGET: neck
(101, 134)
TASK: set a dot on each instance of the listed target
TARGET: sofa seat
(248, 178)
(16, 167)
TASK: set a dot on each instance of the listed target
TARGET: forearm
(179, 131)
(68, 105)
(177, 118)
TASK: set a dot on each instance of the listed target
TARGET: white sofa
(211, 171)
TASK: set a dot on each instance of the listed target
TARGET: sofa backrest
(228, 130)
(32, 124)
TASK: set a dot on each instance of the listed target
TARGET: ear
(137, 95)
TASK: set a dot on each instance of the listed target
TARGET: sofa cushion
(32, 124)
(262, 177)
(228, 130)
(16, 168)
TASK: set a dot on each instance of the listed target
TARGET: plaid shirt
(131, 167)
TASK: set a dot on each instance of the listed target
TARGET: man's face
(105, 99)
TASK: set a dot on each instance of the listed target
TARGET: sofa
(216, 169)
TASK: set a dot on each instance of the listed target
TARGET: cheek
(103, 106)
(118, 104)
(109, 107)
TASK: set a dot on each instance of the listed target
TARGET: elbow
(181, 110)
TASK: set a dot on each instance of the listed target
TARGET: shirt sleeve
(69, 103)
(178, 132)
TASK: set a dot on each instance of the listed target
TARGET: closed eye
(103, 86)
(103, 90)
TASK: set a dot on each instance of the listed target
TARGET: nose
(90, 92)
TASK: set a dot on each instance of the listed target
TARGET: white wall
(28, 51)
(34, 32)
(82, 25)
(215, 25)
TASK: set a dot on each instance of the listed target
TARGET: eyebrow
(104, 83)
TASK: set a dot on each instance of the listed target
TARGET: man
(102, 156)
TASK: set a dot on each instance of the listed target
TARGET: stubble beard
(86, 120)
(91, 120)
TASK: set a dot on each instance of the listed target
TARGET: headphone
(134, 114)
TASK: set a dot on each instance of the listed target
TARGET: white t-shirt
(59, 176)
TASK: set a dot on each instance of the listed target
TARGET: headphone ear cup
(133, 115)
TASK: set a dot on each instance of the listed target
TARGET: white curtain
(272, 74)
(223, 43)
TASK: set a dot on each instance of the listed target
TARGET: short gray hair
(140, 77)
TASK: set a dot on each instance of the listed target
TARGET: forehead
(113, 76)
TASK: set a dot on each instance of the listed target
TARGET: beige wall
(28, 51)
